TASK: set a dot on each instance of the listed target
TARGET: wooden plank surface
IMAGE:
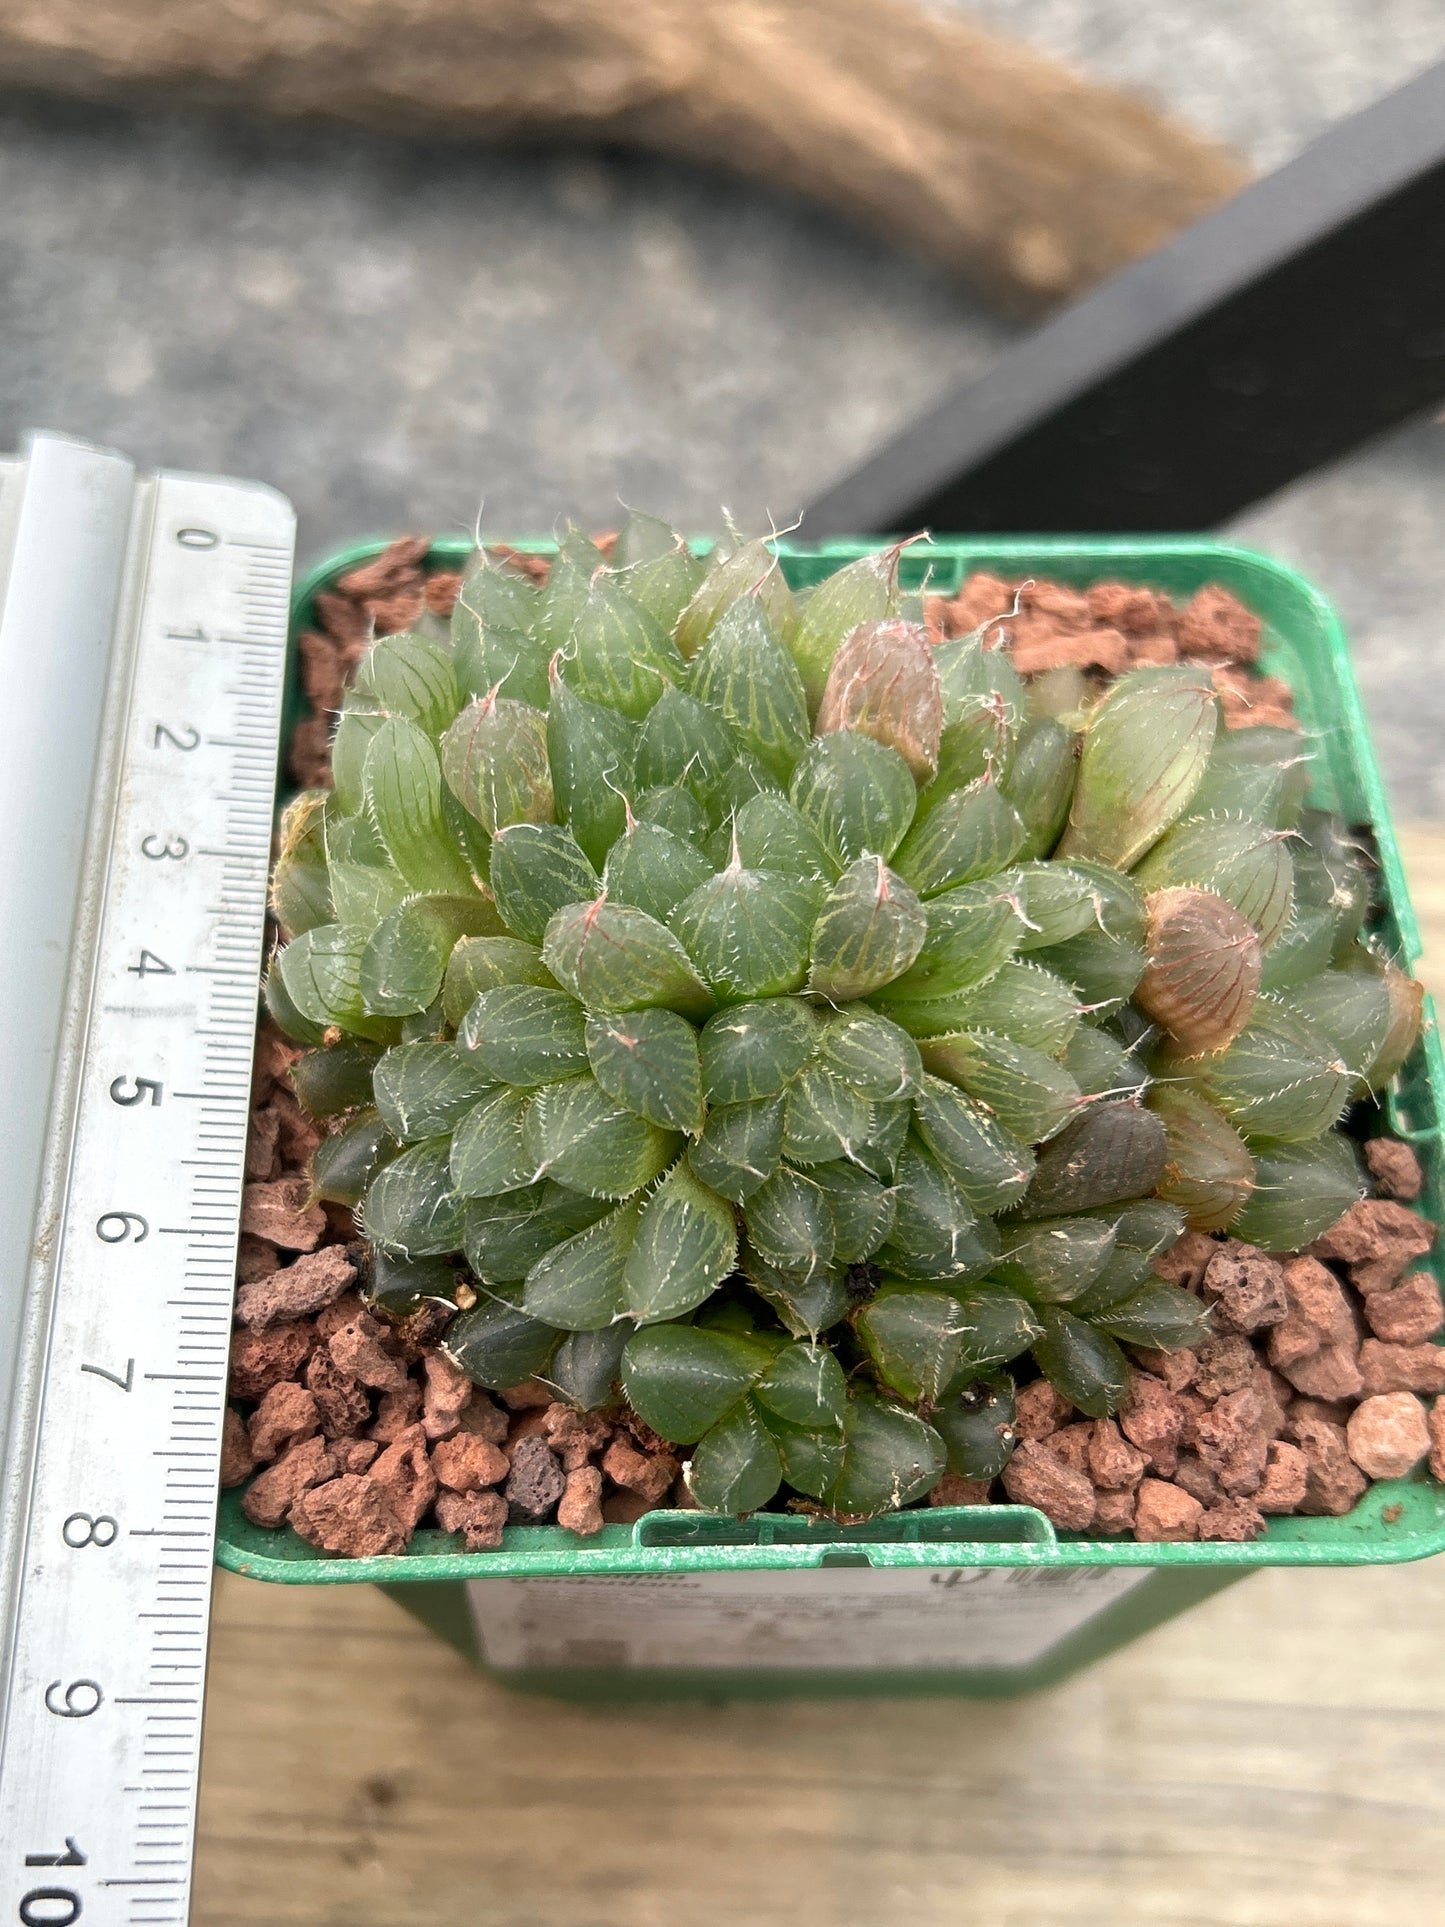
(1275, 1758)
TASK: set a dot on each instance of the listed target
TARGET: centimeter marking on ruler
(101, 1745)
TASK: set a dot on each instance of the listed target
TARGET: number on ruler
(169, 734)
(174, 847)
(142, 1085)
(80, 1530)
(150, 965)
(114, 1377)
(81, 1698)
(72, 1857)
(45, 1896)
(123, 1225)
(195, 538)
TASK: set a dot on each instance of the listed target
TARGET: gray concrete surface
(392, 331)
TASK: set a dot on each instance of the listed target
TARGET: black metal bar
(1274, 335)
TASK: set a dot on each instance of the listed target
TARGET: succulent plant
(788, 1024)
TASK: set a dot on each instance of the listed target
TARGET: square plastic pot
(980, 1601)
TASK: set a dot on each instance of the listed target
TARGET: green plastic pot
(979, 1601)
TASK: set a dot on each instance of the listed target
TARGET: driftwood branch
(971, 148)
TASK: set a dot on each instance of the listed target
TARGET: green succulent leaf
(488, 1155)
(745, 674)
(485, 963)
(618, 655)
(1162, 1316)
(755, 1049)
(1145, 752)
(493, 595)
(805, 1306)
(1055, 1260)
(684, 741)
(1085, 1365)
(1100, 1065)
(1299, 1191)
(425, 1089)
(740, 1148)
(1029, 1095)
(913, 1337)
(972, 932)
(804, 1386)
(823, 1118)
(863, 1210)
(997, 1325)
(936, 1234)
(648, 1060)
(502, 658)
(614, 958)
(1039, 783)
(409, 676)
(403, 785)
(1351, 1007)
(673, 808)
(330, 1081)
(580, 1285)
(1057, 901)
(586, 1367)
(1333, 873)
(990, 1167)
(1027, 1003)
(862, 591)
(344, 1164)
(858, 795)
(890, 1457)
(410, 1205)
(747, 931)
(537, 870)
(505, 1237)
(320, 973)
(590, 751)
(977, 1429)
(811, 1461)
(736, 1467)
(881, 1149)
(1281, 1077)
(494, 759)
(748, 572)
(497, 1345)
(525, 1035)
(653, 869)
(355, 728)
(578, 1135)
(300, 886)
(686, 1245)
(870, 1053)
(283, 1012)
(663, 584)
(681, 1380)
(772, 835)
(405, 960)
(789, 1222)
(975, 677)
(870, 929)
(973, 832)
(1208, 1168)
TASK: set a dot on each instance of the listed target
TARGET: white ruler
(151, 776)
